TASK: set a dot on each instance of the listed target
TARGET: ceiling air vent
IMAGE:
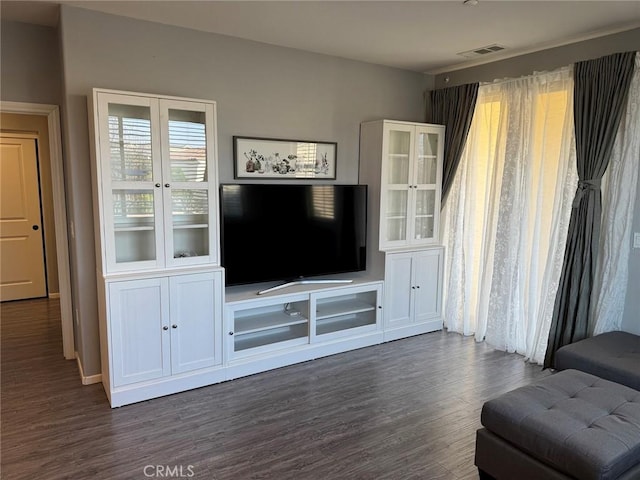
(479, 52)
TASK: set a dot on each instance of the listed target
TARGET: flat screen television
(291, 232)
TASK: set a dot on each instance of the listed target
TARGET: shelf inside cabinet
(345, 322)
(185, 226)
(342, 307)
(133, 228)
(398, 155)
(266, 321)
(262, 338)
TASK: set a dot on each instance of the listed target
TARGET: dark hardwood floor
(402, 410)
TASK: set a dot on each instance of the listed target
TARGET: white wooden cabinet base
(139, 392)
(164, 333)
(413, 296)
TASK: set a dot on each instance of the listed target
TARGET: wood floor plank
(407, 409)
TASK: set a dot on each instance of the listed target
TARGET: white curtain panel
(618, 201)
(507, 215)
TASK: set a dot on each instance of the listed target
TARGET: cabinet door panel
(188, 173)
(196, 315)
(426, 178)
(397, 290)
(139, 345)
(426, 274)
(129, 154)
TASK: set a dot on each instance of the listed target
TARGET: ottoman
(613, 356)
(570, 425)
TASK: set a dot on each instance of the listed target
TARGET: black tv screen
(289, 232)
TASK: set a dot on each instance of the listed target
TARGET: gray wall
(260, 90)
(30, 64)
(548, 60)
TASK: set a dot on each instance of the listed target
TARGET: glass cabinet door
(186, 169)
(397, 185)
(129, 145)
(425, 181)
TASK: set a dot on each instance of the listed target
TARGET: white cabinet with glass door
(401, 162)
(156, 181)
(411, 175)
(160, 286)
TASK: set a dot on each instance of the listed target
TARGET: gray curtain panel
(453, 107)
(600, 94)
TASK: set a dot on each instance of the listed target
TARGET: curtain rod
(525, 77)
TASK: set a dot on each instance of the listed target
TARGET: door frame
(52, 112)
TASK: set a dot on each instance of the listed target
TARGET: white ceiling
(423, 36)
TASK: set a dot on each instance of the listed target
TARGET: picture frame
(279, 159)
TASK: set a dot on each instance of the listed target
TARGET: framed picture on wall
(272, 158)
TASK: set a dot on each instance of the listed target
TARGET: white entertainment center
(167, 322)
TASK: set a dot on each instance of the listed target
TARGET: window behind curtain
(506, 219)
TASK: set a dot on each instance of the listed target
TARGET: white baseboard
(54, 295)
(87, 380)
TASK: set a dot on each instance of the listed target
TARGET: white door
(426, 274)
(139, 330)
(196, 321)
(22, 272)
(397, 290)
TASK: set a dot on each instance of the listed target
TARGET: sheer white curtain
(618, 200)
(506, 217)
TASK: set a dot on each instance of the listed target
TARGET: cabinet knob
(174, 326)
(418, 286)
(230, 333)
(167, 185)
(413, 288)
(158, 185)
(380, 306)
(165, 328)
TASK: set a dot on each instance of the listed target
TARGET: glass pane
(425, 202)
(187, 146)
(190, 213)
(399, 142)
(133, 219)
(426, 171)
(397, 215)
(130, 143)
(397, 203)
(428, 144)
(424, 227)
(396, 229)
(398, 170)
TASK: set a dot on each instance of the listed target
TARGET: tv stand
(300, 282)
(308, 322)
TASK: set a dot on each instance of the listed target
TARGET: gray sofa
(581, 423)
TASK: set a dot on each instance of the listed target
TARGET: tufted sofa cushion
(614, 356)
(579, 424)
